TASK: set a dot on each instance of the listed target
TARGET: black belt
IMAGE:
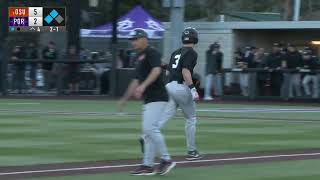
(179, 82)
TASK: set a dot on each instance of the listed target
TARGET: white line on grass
(179, 162)
(25, 103)
(260, 110)
(135, 115)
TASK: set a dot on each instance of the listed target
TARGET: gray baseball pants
(153, 138)
(180, 96)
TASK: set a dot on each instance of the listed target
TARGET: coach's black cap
(138, 33)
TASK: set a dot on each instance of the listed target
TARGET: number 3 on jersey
(177, 59)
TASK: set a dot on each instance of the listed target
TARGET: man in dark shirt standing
(32, 54)
(50, 53)
(149, 84)
(18, 54)
(214, 59)
(246, 63)
(310, 62)
(73, 70)
(274, 61)
(293, 61)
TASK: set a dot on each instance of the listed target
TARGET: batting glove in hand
(194, 93)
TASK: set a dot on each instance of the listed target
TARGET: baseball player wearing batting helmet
(149, 84)
(181, 90)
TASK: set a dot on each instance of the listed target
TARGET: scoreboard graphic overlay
(37, 19)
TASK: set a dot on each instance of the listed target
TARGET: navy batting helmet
(189, 35)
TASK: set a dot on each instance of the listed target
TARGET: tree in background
(197, 9)
(288, 10)
(154, 7)
(210, 9)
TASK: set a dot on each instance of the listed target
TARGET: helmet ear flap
(196, 40)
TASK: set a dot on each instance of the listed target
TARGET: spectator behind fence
(274, 61)
(101, 72)
(214, 61)
(293, 61)
(49, 53)
(247, 63)
(125, 58)
(259, 58)
(32, 54)
(249, 56)
(73, 70)
(243, 77)
(18, 53)
(260, 62)
(310, 62)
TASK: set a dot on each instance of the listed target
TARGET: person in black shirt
(246, 62)
(182, 91)
(32, 53)
(249, 56)
(18, 54)
(73, 70)
(214, 59)
(274, 62)
(149, 85)
(260, 62)
(49, 53)
(293, 61)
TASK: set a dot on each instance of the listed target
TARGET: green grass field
(46, 137)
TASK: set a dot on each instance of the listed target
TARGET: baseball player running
(148, 84)
(181, 89)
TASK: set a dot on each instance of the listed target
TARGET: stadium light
(315, 42)
(93, 3)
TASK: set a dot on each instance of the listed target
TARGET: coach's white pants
(154, 140)
(180, 96)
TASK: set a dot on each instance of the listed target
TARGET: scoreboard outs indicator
(23, 18)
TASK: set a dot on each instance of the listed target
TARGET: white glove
(194, 93)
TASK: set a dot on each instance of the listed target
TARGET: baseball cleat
(193, 155)
(143, 171)
(165, 167)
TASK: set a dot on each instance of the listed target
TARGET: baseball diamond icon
(55, 16)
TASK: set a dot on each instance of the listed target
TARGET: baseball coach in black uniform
(148, 84)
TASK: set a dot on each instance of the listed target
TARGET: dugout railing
(124, 76)
(253, 73)
(59, 68)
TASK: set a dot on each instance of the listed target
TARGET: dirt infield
(92, 167)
